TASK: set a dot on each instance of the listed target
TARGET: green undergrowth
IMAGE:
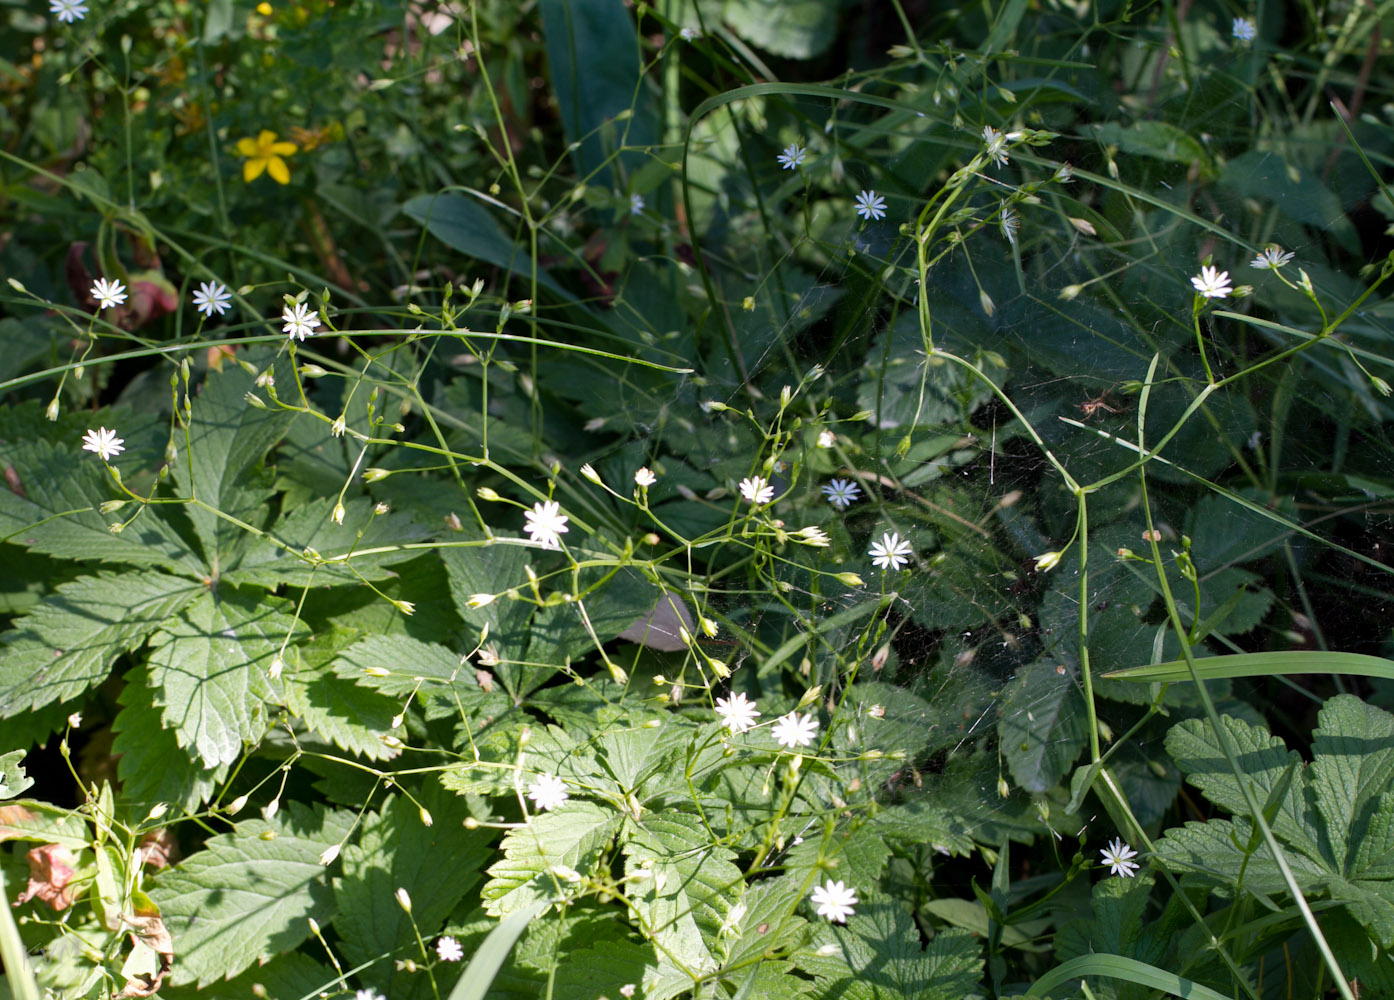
(712, 500)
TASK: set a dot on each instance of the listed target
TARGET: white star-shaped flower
(645, 477)
(1117, 855)
(546, 523)
(871, 205)
(835, 900)
(996, 145)
(1244, 29)
(104, 442)
(108, 293)
(757, 490)
(68, 11)
(792, 157)
(1211, 283)
(1272, 258)
(211, 298)
(737, 712)
(842, 492)
(636, 204)
(826, 439)
(689, 34)
(368, 995)
(449, 949)
(299, 322)
(891, 552)
(548, 792)
(795, 730)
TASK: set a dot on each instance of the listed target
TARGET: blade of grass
(1304, 661)
(1128, 969)
(17, 970)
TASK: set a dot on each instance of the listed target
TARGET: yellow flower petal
(248, 147)
(276, 167)
(284, 148)
(252, 169)
(265, 138)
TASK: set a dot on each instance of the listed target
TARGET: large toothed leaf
(67, 644)
(211, 661)
(249, 894)
(56, 511)
(682, 899)
(435, 864)
(222, 466)
(153, 767)
(572, 836)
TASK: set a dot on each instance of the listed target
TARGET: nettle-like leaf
(1334, 819)
(67, 644)
(211, 662)
(57, 513)
(435, 864)
(13, 780)
(682, 889)
(1043, 726)
(249, 894)
(313, 527)
(573, 836)
(152, 766)
(227, 443)
(879, 957)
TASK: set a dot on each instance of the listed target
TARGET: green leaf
(436, 865)
(1262, 665)
(1265, 760)
(249, 895)
(67, 644)
(397, 665)
(228, 439)
(39, 822)
(795, 29)
(681, 902)
(13, 780)
(1043, 725)
(57, 513)
(152, 766)
(312, 527)
(879, 957)
(1292, 191)
(211, 662)
(490, 569)
(1127, 969)
(352, 717)
(491, 955)
(466, 225)
(1157, 139)
(604, 969)
(575, 835)
(593, 60)
(1352, 769)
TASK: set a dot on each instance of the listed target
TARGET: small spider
(1092, 406)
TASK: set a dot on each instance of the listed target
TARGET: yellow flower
(264, 9)
(264, 154)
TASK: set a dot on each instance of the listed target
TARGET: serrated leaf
(67, 644)
(285, 977)
(249, 894)
(152, 766)
(1265, 759)
(1117, 927)
(604, 969)
(1352, 769)
(228, 439)
(852, 856)
(352, 717)
(436, 865)
(398, 665)
(574, 835)
(682, 900)
(796, 29)
(879, 957)
(40, 822)
(312, 527)
(58, 513)
(211, 662)
(1042, 727)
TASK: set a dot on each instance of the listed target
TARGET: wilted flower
(1271, 259)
